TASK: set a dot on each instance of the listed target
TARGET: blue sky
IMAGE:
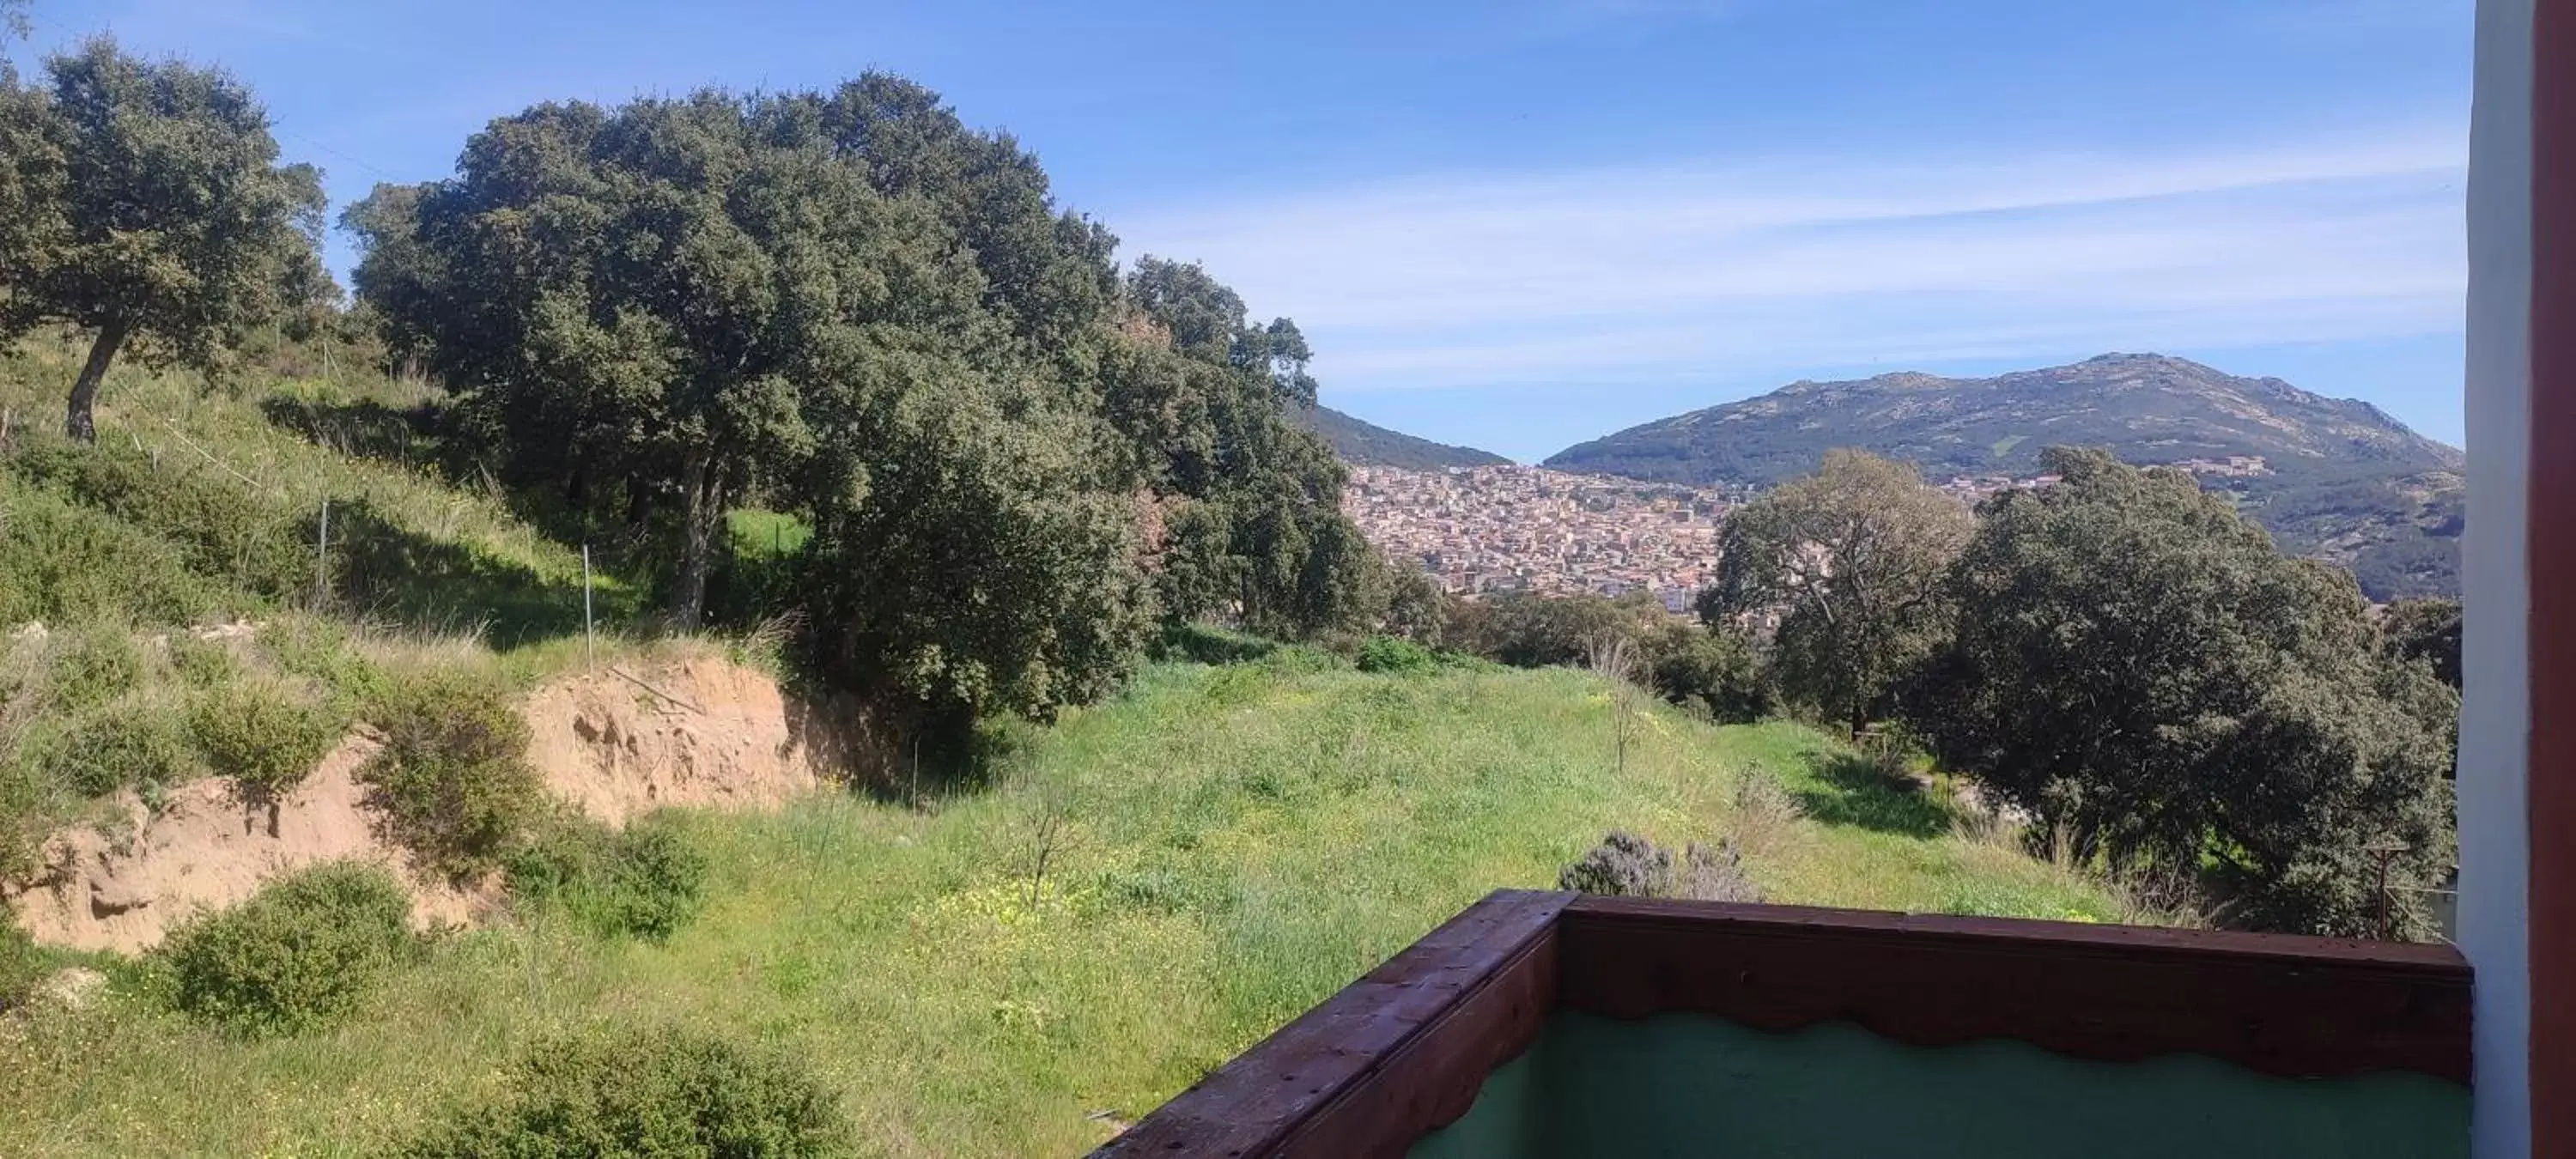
(1527, 223)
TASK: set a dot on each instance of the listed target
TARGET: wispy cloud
(1665, 273)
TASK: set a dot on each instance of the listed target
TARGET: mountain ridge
(2334, 478)
(1365, 444)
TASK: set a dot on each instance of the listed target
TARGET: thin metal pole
(322, 558)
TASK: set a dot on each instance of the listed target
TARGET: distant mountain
(2339, 479)
(1364, 444)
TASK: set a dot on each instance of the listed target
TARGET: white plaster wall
(2495, 718)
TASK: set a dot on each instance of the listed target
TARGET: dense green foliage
(645, 881)
(2139, 668)
(303, 952)
(1852, 560)
(855, 309)
(144, 203)
(21, 966)
(654, 1093)
(452, 781)
(1712, 669)
(264, 733)
(2426, 630)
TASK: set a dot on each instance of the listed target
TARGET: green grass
(217, 498)
(2004, 445)
(1230, 845)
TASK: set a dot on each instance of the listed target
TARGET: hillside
(1363, 444)
(1224, 845)
(1236, 843)
(2338, 479)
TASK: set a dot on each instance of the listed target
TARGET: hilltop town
(1511, 528)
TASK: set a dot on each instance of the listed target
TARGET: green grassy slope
(1234, 843)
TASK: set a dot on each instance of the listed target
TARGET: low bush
(1716, 874)
(321, 651)
(646, 882)
(264, 734)
(645, 1092)
(137, 742)
(23, 814)
(1390, 654)
(453, 782)
(1623, 865)
(92, 666)
(203, 663)
(1715, 671)
(225, 527)
(61, 561)
(302, 952)
(22, 966)
(1627, 865)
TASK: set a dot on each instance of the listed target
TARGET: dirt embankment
(695, 732)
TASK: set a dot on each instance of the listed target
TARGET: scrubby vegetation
(645, 881)
(1231, 843)
(264, 733)
(647, 1092)
(302, 952)
(453, 782)
(21, 966)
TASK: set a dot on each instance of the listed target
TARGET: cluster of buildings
(1485, 530)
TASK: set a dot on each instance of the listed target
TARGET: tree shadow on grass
(412, 438)
(1204, 644)
(1856, 792)
(385, 571)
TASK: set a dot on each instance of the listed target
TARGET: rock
(76, 988)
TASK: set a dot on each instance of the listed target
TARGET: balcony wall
(1549, 1024)
(1693, 1085)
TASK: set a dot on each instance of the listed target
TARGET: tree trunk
(77, 422)
(701, 508)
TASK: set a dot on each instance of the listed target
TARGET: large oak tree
(2143, 671)
(144, 203)
(1852, 559)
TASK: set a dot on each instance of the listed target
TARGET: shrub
(453, 781)
(22, 966)
(1626, 865)
(302, 952)
(648, 1092)
(63, 561)
(137, 742)
(264, 734)
(1623, 865)
(1717, 874)
(646, 882)
(319, 650)
(1390, 654)
(1714, 670)
(224, 527)
(203, 663)
(93, 666)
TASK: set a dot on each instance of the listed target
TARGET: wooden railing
(1404, 1050)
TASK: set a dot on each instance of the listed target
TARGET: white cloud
(1665, 273)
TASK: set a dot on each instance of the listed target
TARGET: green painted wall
(1689, 1085)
